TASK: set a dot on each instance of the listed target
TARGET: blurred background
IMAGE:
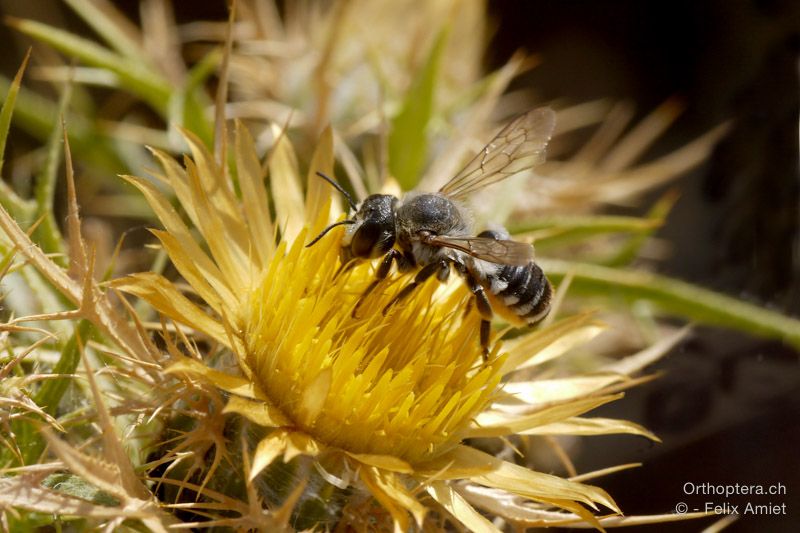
(727, 407)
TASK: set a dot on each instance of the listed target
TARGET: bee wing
(504, 252)
(519, 146)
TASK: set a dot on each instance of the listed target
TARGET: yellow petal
(268, 449)
(224, 231)
(233, 384)
(209, 287)
(212, 183)
(591, 426)
(554, 390)
(520, 512)
(496, 423)
(604, 472)
(254, 196)
(188, 252)
(261, 412)
(384, 462)
(391, 494)
(284, 442)
(457, 506)
(159, 292)
(175, 178)
(318, 193)
(285, 186)
(464, 462)
(298, 443)
(636, 362)
(550, 342)
(314, 398)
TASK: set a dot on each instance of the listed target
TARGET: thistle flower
(388, 399)
(266, 339)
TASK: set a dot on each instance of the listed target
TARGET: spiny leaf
(112, 26)
(553, 231)
(48, 397)
(408, 141)
(188, 105)
(630, 250)
(78, 487)
(8, 198)
(8, 107)
(36, 115)
(677, 297)
(134, 77)
(25, 492)
(48, 234)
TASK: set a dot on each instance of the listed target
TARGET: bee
(433, 232)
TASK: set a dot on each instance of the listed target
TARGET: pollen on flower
(407, 384)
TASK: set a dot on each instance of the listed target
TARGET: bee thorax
(432, 213)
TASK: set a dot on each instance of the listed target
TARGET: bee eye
(372, 240)
(365, 238)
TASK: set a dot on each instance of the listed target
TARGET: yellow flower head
(406, 385)
(391, 396)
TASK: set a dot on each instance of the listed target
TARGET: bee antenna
(339, 188)
(326, 230)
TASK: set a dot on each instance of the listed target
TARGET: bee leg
(441, 269)
(380, 275)
(468, 308)
(486, 329)
(481, 303)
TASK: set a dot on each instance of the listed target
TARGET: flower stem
(676, 297)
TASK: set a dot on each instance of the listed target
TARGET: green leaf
(189, 105)
(133, 76)
(78, 487)
(25, 105)
(48, 235)
(8, 107)
(8, 198)
(675, 297)
(111, 25)
(408, 142)
(49, 395)
(658, 213)
(37, 115)
(554, 231)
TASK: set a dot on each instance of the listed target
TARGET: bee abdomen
(524, 290)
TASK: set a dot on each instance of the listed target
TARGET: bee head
(370, 229)
(373, 232)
